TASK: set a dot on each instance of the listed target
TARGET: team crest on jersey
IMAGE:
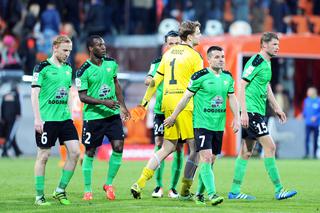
(108, 69)
(104, 90)
(61, 93)
(216, 101)
(225, 82)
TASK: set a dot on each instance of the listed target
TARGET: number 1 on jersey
(172, 81)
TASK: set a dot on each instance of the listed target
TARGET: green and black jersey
(257, 72)
(211, 93)
(99, 83)
(55, 83)
(153, 69)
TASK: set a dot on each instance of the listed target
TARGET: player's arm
(158, 78)
(125, 113)
(90, 100)
(233, 102)
(181, 105)
(38, 123)
(275, 106)
(242, 100)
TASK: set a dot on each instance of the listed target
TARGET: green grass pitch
(17, 188)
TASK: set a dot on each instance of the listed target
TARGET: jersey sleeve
(160, 69)
(152, 70)
(82, 78)
(115, 69)
(252, 68)
(231, 86)
(38, 73)
(194, 85)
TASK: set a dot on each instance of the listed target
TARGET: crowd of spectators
(28, 26)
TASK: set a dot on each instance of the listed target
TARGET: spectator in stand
(10, 114)
(9, 58)
(240, 10)
(311, 114)
(50, 27)
(31, 18)
(96, 18)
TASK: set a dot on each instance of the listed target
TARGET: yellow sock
(186, 185)
(145, 175)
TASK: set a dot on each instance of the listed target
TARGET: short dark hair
(171, 33)
(187, 28)
(213, 48)
(267, 37)
(90, 40)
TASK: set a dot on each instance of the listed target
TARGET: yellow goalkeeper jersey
(175, 70)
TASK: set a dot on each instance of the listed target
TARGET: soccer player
(171, 38)
(51, 105)
(255, 89)
(100, 91)
(175, 69)
(210, 89)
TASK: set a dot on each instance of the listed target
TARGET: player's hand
(169, 122)
(125, 114)
(38, 125)
(235, 125)
(111, 104)
(244, 120)
(138, 113)
(281, 115)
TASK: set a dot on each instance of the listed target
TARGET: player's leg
(39, 172)
(44, 143)
(114, 131)
(87, 167)
(271, 167)
(189, 170)
(184, 122)
(92, 137)
(171, 136)
(246, 149)
(209, 144)
(147, 173)
(158, 132)
(176, 168)
(68, 137)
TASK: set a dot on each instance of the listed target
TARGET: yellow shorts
(183, 128)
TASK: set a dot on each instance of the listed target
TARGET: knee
(74, 154)
(90, 152)
(43, 157)
(118, 146)
(270, 148)
(206, 159)
(246, 155)
(158, 141)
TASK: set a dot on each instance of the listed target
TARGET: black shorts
(53, 130)
(257, 127)
(207, 139)
(94, 130)
(158, 124)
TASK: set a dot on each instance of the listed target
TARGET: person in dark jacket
(10, 113)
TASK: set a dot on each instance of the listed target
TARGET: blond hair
(61, 39)
(188, 28)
